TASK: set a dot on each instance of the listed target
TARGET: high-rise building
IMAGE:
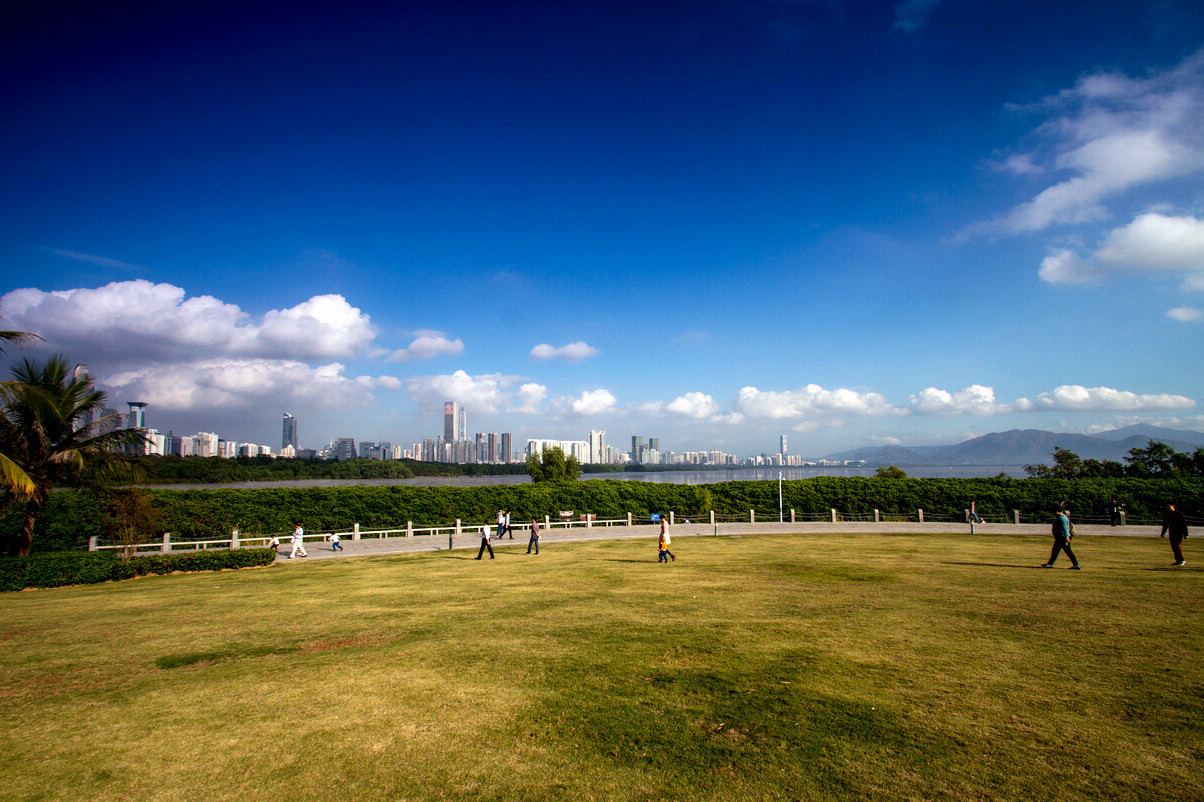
(461, 424)
(637, 446)
(135, 420)
(597, 446)
(507, 447)
(492, 447)
(289, 436)
(782, 449)
(344, 448)
(449, 421)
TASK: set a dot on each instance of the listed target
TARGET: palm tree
(11, 475)
(48, 435)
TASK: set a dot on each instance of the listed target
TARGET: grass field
(795, 667)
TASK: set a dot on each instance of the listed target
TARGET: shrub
(74, 568)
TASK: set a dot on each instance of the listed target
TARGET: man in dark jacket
(1174, 523)
(1061, 534)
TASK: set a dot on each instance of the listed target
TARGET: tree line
(1156, 461)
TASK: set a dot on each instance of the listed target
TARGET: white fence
(565, 520)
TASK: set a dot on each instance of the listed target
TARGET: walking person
(298, 543)
(335, 545)
(274, 545)
(534, 541)
(501, 523)
(973, 517)
(662, 554)
(506, 524)
(485, 541)
(1061, 535)
(1176, 524)
(665, 536)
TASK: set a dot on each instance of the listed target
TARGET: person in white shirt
(335, 545)
(485, 540)
(298, 543)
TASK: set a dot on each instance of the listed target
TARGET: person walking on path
(335, 545)
(665, 539)
(1061, 534)
(506, 524)
(298, 543)
(485, 541)
(662, 555)
(501, 523)
(973, 516)
(534, 541)
(1176, 524)
(274, 545)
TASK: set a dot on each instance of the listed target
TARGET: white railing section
(564, 520)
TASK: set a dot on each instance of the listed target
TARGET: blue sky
(712, 223)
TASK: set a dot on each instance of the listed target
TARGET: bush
(72, 568)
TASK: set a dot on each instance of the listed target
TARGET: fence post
(629, 519)
(355, 531)
(92, 543)
(167, 542)
(409, 528)
(712, 517)
(921, 512)
(752, 516)
(876, 519)
(452, 534)
(589, 520)
(833, 516)
(1016, 516)
(234, 539)
(672, 517)
(547, 521)
(792, 515)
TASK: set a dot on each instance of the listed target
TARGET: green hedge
(73, 568)
(70, 518)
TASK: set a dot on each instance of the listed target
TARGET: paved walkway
(469, 539)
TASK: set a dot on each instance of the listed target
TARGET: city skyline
(833, 224)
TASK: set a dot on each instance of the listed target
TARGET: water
(661, 477)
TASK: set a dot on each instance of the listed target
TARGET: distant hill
(1027, 447)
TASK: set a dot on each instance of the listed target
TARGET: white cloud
(1185, 314)
(693, 405)
(103, 261)
(589, 403)
(426, 346)
(130, 323)
(810, 401)
(1109, 134)
(528, 398)
(245, 384)
(973, 400)
(572, 352)
(1153, 242)
(1075, 397)
(480, 394)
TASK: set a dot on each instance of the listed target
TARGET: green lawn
(798, 666)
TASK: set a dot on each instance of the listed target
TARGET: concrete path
(320, 550)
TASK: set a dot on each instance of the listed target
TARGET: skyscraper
(289, 437)
(449, 421)
(506, 447)
(782, 450)
(597, 446)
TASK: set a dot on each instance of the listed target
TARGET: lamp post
(780, 519)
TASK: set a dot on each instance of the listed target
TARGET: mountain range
(1027, 447)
